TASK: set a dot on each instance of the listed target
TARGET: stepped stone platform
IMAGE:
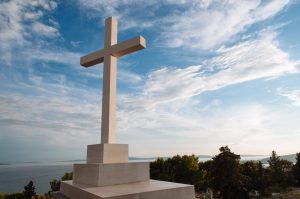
(150, 189)
(99, 178)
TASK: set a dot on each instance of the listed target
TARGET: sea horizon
(143, 158)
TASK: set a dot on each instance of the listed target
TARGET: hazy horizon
(67, 161)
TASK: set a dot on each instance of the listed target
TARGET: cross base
(107, 153)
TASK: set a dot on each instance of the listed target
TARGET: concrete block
(111, 174)
(107, 153)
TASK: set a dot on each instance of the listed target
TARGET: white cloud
(248, 60)
(67, 112)
(211, 26)
(293, 96)
(44, 30)
(167, 104)
(49, 109)
(122, 9)
(71, 60)
(76, 43)
(127, 76)
(57, 55)
(50, 124)
(204, 24)
(20, 21)
(184, 127)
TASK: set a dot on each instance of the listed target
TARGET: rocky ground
(292, 193)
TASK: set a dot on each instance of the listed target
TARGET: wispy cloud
(45, 30)
(122, 9)
(165, 102)
(57, 55)
(208, 27)
(248, 60)
(293, 96)
(201, 25)
(184, 122)
(48, 124)
(21, 21)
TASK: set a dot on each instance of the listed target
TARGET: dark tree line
(227, 177)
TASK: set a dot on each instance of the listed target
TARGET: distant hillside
(205, 156)
(3, 163)
(79, 160)
(291, 158)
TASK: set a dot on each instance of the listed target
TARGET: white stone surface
(107, 153)
(151, 189)
(112, 50)
(111, 174)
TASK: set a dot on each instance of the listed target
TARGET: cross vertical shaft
(111, 32)
(108, 125)
(108, 55)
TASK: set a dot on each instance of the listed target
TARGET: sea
(14, 177)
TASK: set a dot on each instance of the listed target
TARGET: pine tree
(297, 169)
(225, 177)
(281, 174)
(274, 160)
(29, 190)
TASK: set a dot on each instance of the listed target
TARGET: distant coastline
(262, 158)
(291, 157)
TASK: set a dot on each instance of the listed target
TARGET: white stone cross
(109, 55)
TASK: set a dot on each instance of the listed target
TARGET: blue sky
(214, 73)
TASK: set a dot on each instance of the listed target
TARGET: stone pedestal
(107, 153)
(108, 174)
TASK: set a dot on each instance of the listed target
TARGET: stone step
(151, 189)
(111, 174)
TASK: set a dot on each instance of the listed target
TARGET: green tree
(280, 172)
(296, 169)
(255, 177)
(55, 185)
(181, 169)
(29, 190)
(225, 177)
(274, 160)
(275, 173)
(67, 176)
(14, 196)
(159, 170)
(185, 168)
(204, 168)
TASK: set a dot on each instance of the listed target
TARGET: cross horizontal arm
(93, 58)
(128, 46)
(116, 50)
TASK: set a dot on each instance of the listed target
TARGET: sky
(214, 73)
